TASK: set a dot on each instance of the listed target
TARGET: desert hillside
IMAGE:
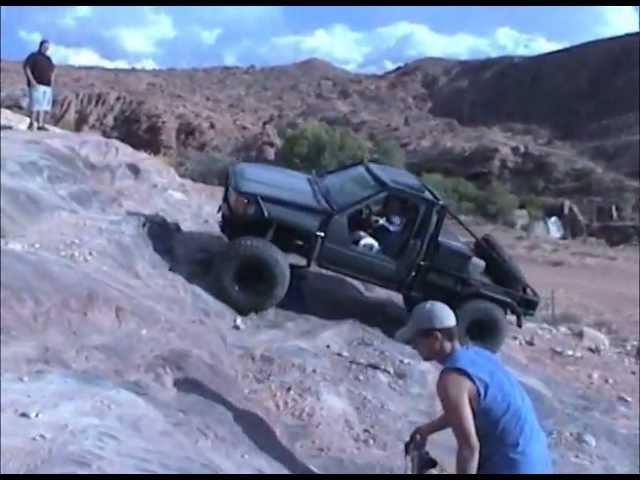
(559, 125)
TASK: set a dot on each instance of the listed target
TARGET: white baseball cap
(429, 315)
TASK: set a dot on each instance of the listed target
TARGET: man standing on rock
(40, 72)
(492, 418)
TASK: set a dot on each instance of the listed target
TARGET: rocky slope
(563, 124)
(117, 357)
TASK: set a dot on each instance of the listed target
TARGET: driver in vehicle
(388, 229)
(384, 232)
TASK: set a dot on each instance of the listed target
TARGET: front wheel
(482, 323)
(253, 275)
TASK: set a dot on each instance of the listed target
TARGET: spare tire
(501, 268)
(253, 275)
(482, 323)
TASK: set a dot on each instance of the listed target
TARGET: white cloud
(74, 14)
(618, 20)
(338, 44)
(30, 37)
(515, 43)
(416, 40)
(389, 65)
(84, 57)
(210, 37)
(230, 56)
(229, 59)
(386, 47)
(142, 39)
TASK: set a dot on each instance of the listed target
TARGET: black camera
(423, 462)
(421, 459)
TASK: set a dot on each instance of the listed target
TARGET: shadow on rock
(193, 255)
(332, 297)
(253, 426)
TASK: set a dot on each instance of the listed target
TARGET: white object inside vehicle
(477, 266)
(369, 244)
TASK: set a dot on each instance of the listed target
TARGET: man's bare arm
(432, 427)
(27, 72)
(454, 391)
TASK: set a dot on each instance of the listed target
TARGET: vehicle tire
(501, 268)
(253, 275)
(482, 323)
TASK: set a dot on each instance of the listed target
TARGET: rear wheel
(482, 323)
(253, 276)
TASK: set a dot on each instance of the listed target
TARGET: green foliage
(320, 146)
(390, 153)
(461, 194)
(495, 202)
(535, 206)
(317, 146)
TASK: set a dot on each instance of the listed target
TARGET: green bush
(390, 153)
(317, 146)
(534, 205)
(496, 202)
(461, 194)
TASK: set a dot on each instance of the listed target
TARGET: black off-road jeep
(331, 220)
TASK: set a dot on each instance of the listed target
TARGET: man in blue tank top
(492, 418)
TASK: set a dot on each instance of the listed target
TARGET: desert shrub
(389, 152)
(534, 205)
(320, 147)
(495, 202)
(461, 194)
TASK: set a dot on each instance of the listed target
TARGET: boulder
(615, 234)
(520, 219)
(15, 99)
(267, 144)
(572, 220)
(594, 339)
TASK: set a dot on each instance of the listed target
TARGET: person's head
(43, 47)
(431, 330)
(393, 206)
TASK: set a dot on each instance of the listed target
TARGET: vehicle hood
(277, 184)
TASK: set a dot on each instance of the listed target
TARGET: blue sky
(365, 39)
